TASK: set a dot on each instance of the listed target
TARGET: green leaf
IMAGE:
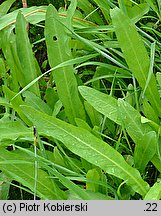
(25, 54)
(154, 193)
(131, 120)
(90, 11)
(103, 103)
(124, 114)
(5, 6)
(15, 103)
(146, 149)
(4, 186)
(32, 100)
(21, 168)
(29, 13)
(59, 51)
(149, 112)
(81, 123)
(94, 116)
(13, 130)
(87, 146)
(51, 97)
(58, 158)
(4, 102)
(13, 62)
(70, 13)
(135, 55)
(2, 69)
(137, 11)
(142, 134)
(93, 175)
(158, 76)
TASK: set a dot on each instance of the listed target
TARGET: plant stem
(24, 3)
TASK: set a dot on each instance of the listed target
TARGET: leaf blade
(154, 193)
(103, 103)
(25, 54)
(57, 40)
(86, 145)
(13, 166)
(135, 55)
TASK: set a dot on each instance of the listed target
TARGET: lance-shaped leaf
(87, 146)
(13, 62)
(124, 114)
(25, 54)
(136, 56)
(59, 51)
(142, 134)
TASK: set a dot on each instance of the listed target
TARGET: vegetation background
(80, 109)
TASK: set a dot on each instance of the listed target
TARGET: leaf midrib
(89, 146)
(64, 75)
(139, 63)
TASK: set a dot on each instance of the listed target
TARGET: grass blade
(79, 192)
(90, 11)
(105, 8)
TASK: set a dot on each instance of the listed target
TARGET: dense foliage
(80, 101)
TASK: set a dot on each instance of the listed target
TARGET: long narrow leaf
(11, 55)
(135, 55)
(142, 134)
(25, 54)
(89, 147)
(5, 6)
(15, 103)
(123, 114)
(59, 51)
(29, 13)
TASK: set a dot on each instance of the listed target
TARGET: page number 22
(151, 207)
